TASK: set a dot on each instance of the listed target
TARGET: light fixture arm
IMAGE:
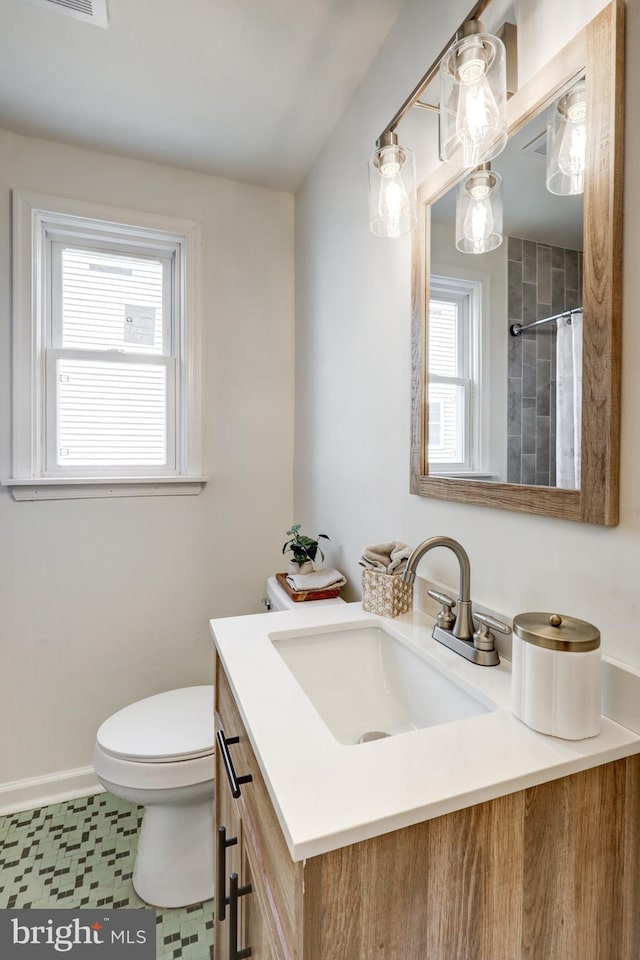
(417, 92)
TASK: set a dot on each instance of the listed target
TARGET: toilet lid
(176, 725)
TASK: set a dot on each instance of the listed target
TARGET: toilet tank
(278, 599)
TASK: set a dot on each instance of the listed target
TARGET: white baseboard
(36, 792)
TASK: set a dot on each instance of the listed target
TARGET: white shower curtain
(569, 402)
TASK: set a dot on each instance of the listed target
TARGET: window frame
(37, 220)
(468, 295)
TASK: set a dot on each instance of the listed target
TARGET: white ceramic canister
(556, 675)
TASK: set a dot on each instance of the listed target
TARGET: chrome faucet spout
(464, 626)
(476, 646)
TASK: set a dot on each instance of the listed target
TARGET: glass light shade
(392, 191)
(473, 100)
(567, 143)
(479, 212)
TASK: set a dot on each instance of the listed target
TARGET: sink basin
(365, 682)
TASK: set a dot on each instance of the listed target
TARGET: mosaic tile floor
(81, 854)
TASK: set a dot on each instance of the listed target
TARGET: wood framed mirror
(596, 53)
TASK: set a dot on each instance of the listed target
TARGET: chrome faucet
(457, 631)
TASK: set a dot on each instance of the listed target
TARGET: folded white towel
(399, 556)
(318, 580)
(388, 557)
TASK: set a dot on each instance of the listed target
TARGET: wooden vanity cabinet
(267, 915)
(549, 872)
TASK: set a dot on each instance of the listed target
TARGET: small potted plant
(303, 548)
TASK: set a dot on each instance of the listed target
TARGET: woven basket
(386, 595)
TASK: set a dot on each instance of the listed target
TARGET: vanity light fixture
(473, 97)
(567, 141)
(478, 72)
(392, 189)
(479, 211)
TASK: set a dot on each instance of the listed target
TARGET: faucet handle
(446, 617)
(483, 639)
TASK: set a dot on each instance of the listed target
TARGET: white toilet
(159, 753)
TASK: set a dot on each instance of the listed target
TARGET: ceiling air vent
(537, 146)
(91, 11)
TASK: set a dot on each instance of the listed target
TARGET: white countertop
(328, 795)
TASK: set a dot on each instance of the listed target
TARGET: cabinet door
(266, 924)
(279, 879)
(255, 931)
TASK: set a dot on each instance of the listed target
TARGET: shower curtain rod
(517, 328)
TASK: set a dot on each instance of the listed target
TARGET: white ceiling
(247, 89)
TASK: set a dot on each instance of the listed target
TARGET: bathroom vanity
(471, 838)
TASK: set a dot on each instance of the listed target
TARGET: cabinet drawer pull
(221, 893)
(235, 892)
(234, 781)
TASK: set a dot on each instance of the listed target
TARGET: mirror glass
(504, 406)
(486, 406)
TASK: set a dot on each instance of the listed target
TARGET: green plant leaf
(301, 546)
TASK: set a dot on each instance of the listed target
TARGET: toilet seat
(152, 776)
(169, 727)
(161, 742)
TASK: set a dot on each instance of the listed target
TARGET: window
(106, 338)
(454, 370)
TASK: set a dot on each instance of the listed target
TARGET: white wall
(106, 601)
(353, 361)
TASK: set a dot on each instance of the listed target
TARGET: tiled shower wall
(542, 281)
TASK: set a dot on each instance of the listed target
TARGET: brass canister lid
(556, 632)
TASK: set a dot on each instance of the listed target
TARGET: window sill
(78, 488)
(462, 475)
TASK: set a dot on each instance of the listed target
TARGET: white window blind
(443, 337)
(110, 413)
(454, 316)
(436, 424)
(105, 298)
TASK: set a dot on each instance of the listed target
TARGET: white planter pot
(297, 568)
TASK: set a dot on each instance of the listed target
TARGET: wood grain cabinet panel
(256, 926)
(581, 874)
(548, 873)
(280, 877)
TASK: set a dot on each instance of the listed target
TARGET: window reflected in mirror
(454, 333)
